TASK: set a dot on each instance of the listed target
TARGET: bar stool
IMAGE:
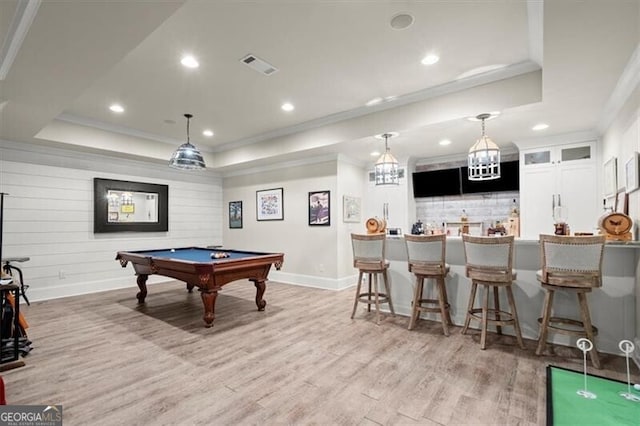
(574, 265)
(426, 255)
(369, 258)
(489, 263)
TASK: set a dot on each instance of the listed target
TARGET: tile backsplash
(487, 208)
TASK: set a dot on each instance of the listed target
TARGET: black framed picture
(320, 208)
(123, 206)
(235, 214)
(269, 204)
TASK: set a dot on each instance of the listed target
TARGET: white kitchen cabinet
(563, 175)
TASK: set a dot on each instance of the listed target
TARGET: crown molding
(18, 28)
(628, 81)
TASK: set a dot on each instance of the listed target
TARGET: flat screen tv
(436, 183)
(509, 180)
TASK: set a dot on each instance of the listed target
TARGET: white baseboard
(313, 281)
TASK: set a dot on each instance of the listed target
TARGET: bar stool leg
(443, 290)
(544, 324)
(514, 314)
(376, 297)
(472, 298)
(496, 305)
(355, 302)
(417, 295)
(385, 276)
(586, 320)
(444, 310)
(485, 317)
(369, 292)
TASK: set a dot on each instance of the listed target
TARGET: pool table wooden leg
(142, 285)
(209, 302)
(260, 288)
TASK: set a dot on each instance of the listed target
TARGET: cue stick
(2, 194)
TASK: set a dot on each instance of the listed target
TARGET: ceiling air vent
(259, 65)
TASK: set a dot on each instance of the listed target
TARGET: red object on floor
(2, 400)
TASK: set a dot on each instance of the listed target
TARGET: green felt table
(566, 407)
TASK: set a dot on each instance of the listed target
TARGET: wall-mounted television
(436, 183)
(509, 180)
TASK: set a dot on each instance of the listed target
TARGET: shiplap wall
(48, 217)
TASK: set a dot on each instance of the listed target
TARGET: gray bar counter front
(614, 306)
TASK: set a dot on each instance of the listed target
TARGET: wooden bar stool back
(426, 258)
(570, 264)
(489, 263)
(369, 258)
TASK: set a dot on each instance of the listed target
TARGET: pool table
(198, 268)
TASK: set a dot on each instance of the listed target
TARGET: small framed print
(611, 177)
(269, 204)
(235, 214)
(319, 208)
(631, 180)
(351, 207)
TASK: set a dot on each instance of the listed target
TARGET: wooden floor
(109, 361)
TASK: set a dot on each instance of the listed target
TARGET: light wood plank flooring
(109, 361)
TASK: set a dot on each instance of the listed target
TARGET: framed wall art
(319, 208)
(269, 204)
(610, 177)
(631, 181)
(235, 214)
(351, 207)
(123, 206)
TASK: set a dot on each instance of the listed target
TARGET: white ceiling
(559, 63)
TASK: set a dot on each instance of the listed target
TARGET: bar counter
(613, 306)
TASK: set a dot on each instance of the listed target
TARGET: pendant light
(484, 156)
(187, 156)
(386, 169)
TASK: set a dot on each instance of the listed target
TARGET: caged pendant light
(484, 156)
(187, 156)
(386, 168)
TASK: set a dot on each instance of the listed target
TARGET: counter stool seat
(426, 260)
(571, 265)
(488, 262)
(369, 258)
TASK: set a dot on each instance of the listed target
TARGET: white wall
(48, 217)
(310, 251)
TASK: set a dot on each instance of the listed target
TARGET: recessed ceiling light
(287, 107)
(117, 108)
(208, 133)
(541, 126)
(375, 154)
(445, 142)
(189, 61)
(430, 59)
(374, 101)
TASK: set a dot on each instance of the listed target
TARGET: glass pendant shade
(187, 156)
(484, 157)
(386, 168)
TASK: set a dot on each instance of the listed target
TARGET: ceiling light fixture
(116, 108)
(208, 133)
(444, 142)
(386, 168)
(187, 156)
(189, 61)
(541, 126)
(484, 156)
(430, 59)
(287, 107)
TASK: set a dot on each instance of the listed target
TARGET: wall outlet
(62, 274)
